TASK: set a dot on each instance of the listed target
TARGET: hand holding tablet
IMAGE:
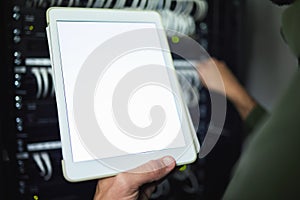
(118, 97)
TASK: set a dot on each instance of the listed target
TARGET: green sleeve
(254, 118)
(269, 167)
(291, 27)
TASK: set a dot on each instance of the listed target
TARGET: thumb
(151, 171)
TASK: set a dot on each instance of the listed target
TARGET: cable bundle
(178, 16)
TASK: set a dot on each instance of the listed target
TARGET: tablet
(118, 98)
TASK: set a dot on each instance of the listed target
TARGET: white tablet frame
(86, 170)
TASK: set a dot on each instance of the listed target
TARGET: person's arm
(136, 184)
(254, 117)
(212, 71)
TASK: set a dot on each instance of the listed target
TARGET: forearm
(216, 76)
(242, 101)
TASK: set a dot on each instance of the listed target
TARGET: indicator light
(175, 39)
(182, 168)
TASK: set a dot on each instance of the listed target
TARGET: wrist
(243, 102)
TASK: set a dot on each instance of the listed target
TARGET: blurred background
(269, 62)
(245, 34)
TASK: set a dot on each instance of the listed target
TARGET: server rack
(30, 147)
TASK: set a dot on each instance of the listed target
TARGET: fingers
(154, 170)
(149, 190)
(130, 184)
(151, 171)
(146, 192)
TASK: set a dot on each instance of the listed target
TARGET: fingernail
(168, 160)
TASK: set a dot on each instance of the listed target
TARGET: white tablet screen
(78, 41)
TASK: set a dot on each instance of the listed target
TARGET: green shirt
(269, 167)
(256, 116)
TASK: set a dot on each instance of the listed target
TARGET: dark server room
(246, 35)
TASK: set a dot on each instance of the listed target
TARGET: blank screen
(119, 117)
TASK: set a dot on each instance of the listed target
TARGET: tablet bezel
(92, 169)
